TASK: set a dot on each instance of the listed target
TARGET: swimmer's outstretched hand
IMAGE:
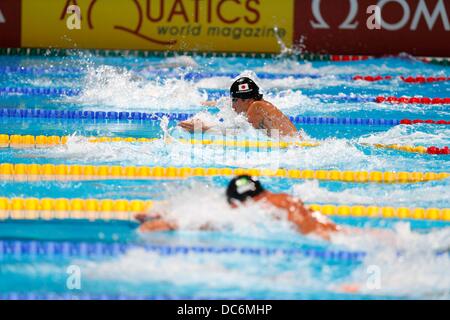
(209, 103)
(193, 124)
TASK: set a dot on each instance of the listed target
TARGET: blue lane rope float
(187, 76)
(57, 70)
(93, 296)
(212, 94)
(18, 249)
(142, 116)
(193, 76)
(40, 91)
(97, 115)
(38, 70)
(215, 94)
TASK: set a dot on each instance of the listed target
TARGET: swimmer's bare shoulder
(264, 115)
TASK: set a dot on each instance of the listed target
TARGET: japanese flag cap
(245, 88)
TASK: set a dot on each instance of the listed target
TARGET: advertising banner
(10, 22)
(203, 25)
(342, 27)
(373, 27)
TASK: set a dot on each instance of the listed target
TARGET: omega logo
(422, 11)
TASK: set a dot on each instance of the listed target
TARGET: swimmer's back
(264, 115)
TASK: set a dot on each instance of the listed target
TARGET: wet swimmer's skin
(261, 114)
(243, 188)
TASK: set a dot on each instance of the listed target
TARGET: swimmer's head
(245, 88)
(243, 91)
(243, 187)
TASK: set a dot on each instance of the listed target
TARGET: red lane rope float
(372, 78)
(348, 58)
(436, 150)
(410, 79)
(415, 121)
(424, 79)
(412, 100)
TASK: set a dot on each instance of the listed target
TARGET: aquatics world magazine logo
(221, 25)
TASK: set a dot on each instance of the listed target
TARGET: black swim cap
(242, 187)
(245, 88)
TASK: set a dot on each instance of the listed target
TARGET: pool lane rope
(124, 210)
(34, 70)
(352, 98)
(29, 141)
(301, 56)
(142, 116)
(39, 296)
(17, 249)
(414, 149)
(408, 79)
(43, 296)
(62, 172)
(412, 100)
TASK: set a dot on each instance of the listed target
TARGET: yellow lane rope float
(42, 141)
(34, 172)
(107, 209)
(29, 141)
(412, 149)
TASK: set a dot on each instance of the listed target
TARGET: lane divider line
(32, 296)
(51, 249)
(30, 141)
(124, 210)
(408, 79)
(412, 100)
(62, 172)
(65, 71)
(414, 149)
(41, 141)
(56, 52)
(142, 116)
(58, 91)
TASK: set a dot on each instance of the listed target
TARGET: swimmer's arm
(209, 103)
(196, 124)
(193, 124)
(304, 218)
(157, 225)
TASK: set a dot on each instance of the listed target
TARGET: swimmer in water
(245, 188)
(261, 114)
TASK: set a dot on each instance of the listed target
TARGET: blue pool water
(407, 262)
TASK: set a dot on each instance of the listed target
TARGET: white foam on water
(407, 259)
(368, 194)
(209, 207)
(179, 61)
(122, 90)
(422, 134)
(140, 267)
(401, 263)
(293, 66)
